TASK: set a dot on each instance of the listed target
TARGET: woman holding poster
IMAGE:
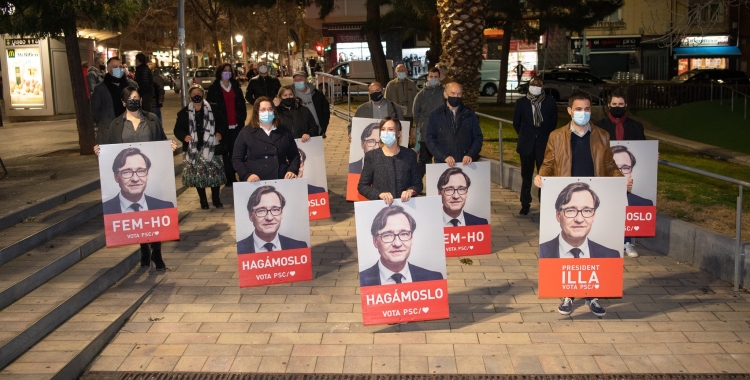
(390, 172)
(201, 126)
(136, 125)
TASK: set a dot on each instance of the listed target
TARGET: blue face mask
(434, 82)
(299, 85)
(117, 72)
(266, 117)
(581, 117)
(388, 138)
(401, 76)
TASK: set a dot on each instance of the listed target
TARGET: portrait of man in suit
(265, 208)
(453, 187)
(311, 189)
(131, 168)
(575, 209)
(392, 232)
(370, 140)
(625, 161)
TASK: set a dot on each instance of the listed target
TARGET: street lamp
(238, 38)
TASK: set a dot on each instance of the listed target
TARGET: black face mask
(376, 96)
(133, 105)
(197, 99)
(454, 101)
(288, 102)
(102, 67)
(617, 112)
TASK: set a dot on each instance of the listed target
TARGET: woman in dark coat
(136, 125)
(294, 116)
(264, 150)
(391, 171)
(227, 94)
(201, 126)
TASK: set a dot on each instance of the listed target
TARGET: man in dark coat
(534, 118)
(106, 104)
(453, 133)
(145, 79)
(265, 208)
(262, 85)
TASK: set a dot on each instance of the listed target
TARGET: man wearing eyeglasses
(131, 169)
(266, 209)
(453, 186)
(392, 235)
(370, 140)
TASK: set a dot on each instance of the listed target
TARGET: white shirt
(447, 220)
(268, 131)
(564, 249)
(385, 274)
(125, 204)
(574, 130)
(259, 243)
(227, 88)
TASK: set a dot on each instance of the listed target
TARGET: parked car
(712, 75)
(561, 83)
(203, 77)
(490, 72)
(576, 67)
(360, 71)
(189, 73)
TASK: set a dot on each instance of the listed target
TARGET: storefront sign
(516, 45)
(25, 73)
(21, 41)
(607, 43)
(705, 41)
(350, 37)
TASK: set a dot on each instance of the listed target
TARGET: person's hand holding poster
(273, 232)
(402, 270)
(138, 193)
(366, 137)
(465, 195)
(581, 219)
(313, 168)
(639, 160)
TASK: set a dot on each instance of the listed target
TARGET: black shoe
(204, 204)
(216, 197)
(524, 210)
(217, 203)
(324, 136)
(158, 261)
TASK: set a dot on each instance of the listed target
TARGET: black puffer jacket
(262, 86)
(457, 138)
(145, 80)
(297, 119)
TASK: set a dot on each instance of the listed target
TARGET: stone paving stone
(245, 364)
(696, 363)
(301, 364)
(273, 364)
(724, 363)
(582, 364)
(611, 364)
(357, 364)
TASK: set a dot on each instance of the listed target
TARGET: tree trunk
(84, 122)
(504, 54)
(462, 25)
(379, 66)
(436, 42)
(217, 50)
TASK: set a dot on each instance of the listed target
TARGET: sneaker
(593, 304)
(630, 250)
(566, 307)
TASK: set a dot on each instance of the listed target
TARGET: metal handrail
(332, 91)
(721, 93)
(500, 122)
(738, 223)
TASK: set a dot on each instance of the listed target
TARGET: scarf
(209, 130)
(619, 126)
(536, 107)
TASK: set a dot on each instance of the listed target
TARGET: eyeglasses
(127, 173)
(625, 169)
(262, 212)
(462, 190)
(370, 143)
(389, 237)
(571, 213)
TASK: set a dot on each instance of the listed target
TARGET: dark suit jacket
(268, 157)
(472, 220)
(371, 276)
(530, 137)
(633, 129)
(550, 250)
(247, 245)
(112, 206)
(315, 189)
(634, 200)
(356, 166)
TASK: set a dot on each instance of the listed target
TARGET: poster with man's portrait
(312, 167)
(139, 199)
(365, 137)
(581, 236)
(402, 270)
(465, 206)
(273, 232)
(639, 160)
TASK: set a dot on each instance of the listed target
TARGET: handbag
(220, 149)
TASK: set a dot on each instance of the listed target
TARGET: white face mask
(535, 90)
(401, 76)
(262, 69)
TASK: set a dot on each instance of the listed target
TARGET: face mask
(117, 72)
(102, 67)
(617, 112)
(226, 75)
(197, 99)
(434, 82)
(388, 138)
(376, 96)
(133, 105)
(266, 117)
(454, 101)
(299, 85)
(262, 69)
(581, 117)
(535, 90)
(401, 76)
(288, 102)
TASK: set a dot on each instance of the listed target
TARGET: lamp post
(238, 38)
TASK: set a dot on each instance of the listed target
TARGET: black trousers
(528, 162)
(425, 157)
(231, 137)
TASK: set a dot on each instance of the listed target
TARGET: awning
(706, 51)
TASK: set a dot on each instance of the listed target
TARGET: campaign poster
(465, 210)
(639, 160)
(273, 232)
(313, 168)
(581, 219)
(365, 137)
(139, 199)
(402, 271)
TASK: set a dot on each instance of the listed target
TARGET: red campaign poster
(141, 227)
(277, 267)
(352, 194)
(411, 302)
(468, 241)
(580, 278)
(318, 204)
(640, 221)
(313, 169)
